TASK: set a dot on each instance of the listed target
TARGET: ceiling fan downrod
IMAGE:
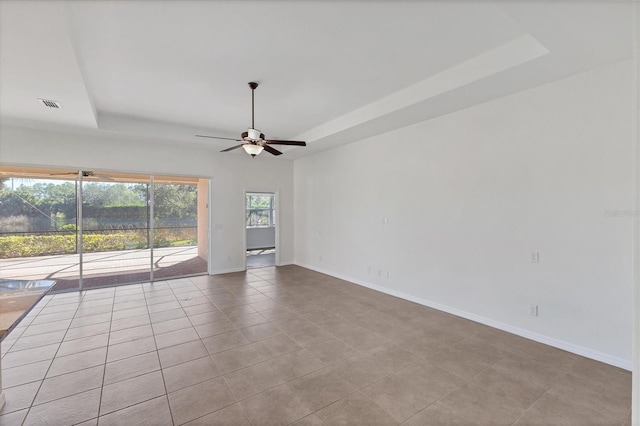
(253, 86)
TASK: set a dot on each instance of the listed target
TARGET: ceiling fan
(85, 173)
(253, 140)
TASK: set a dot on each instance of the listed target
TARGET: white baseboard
(241, 269)
(551, 341)
(226, 271)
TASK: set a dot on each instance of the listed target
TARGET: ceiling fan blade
(86, 174)
(278, 142)
(217, 137)
(232, 148)
(271, 150)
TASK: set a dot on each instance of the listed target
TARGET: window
(260, 211)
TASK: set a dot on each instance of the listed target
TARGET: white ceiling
(329, 72)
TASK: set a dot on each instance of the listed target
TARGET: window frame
(249, 208)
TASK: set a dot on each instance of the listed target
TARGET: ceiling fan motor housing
(254, 134)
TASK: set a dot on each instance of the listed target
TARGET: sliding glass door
(127, 228)
(175, 221)
(116, 233)
(38, 223)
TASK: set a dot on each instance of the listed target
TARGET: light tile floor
(287, 346)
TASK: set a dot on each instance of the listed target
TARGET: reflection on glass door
(115, 233)
(122, 227)
(38, 228)
(177, 246)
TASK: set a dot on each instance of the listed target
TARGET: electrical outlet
(320, 258)
(387, 274)
(369, 270)
(533, 310)
(535, 257)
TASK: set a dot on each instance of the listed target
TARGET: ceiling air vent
(50, 103)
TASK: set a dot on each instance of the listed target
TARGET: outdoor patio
(105, 268)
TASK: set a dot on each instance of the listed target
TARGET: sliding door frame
(79, 233)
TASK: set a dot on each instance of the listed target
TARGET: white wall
(231, 176)
(258, 238)
(468, 196)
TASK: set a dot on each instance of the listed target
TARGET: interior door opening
(261, 229)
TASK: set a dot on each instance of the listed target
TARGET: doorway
(260, 229)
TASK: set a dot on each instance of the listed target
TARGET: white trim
(227, 271)
(287, 263)
(244, 228)
(209, 227)
(635, 385)
(557, 343)
(80, 230)
(151, 238)
(275, 211)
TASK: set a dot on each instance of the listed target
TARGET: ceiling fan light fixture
(252, 149)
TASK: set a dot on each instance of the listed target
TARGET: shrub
(42, 245)
(36, 245)
(96, 241)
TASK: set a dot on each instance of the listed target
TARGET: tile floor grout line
(42, 381)
(210, 355)
(549, 388)
(468, 381)
(128, 406)
(422, 359)
(52, 359)
(330, 365)
(296, 308)
(106, 357)
(71, 354)
(164, 382)
(368, 386)
(561, 376)
(538, 398)
(301, 348)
